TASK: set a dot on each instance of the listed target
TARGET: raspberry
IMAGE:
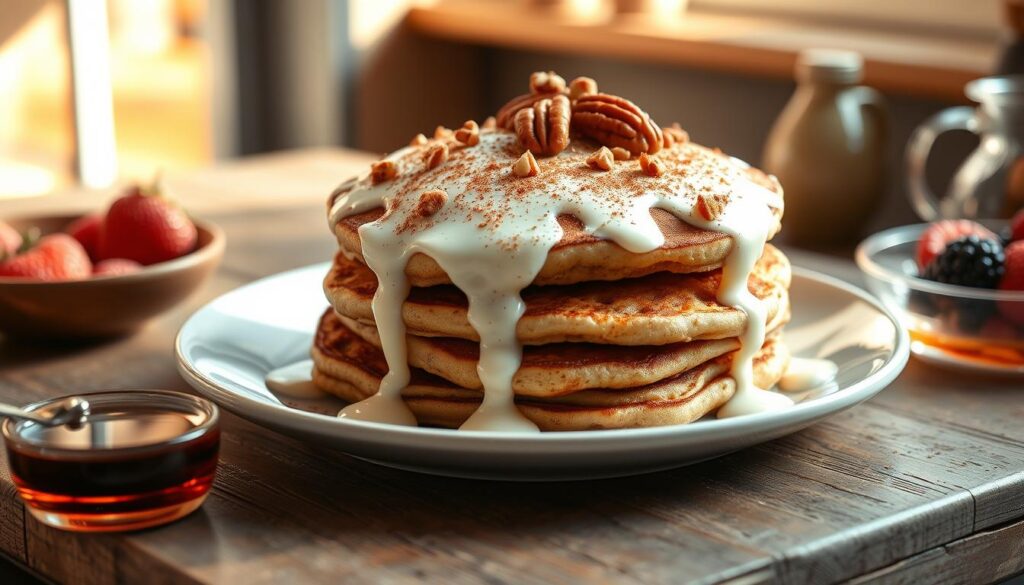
(969, 261)
(934, 239)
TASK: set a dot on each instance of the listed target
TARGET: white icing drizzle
(493, 235)
(807, 374)
(294, 380)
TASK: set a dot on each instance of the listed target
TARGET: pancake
(579, 256)
(558, 368)
(652, 310)
(349, 367)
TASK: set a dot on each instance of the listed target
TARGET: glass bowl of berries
(958, 287)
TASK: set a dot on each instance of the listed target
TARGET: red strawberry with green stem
(147, 227)
(52, 258)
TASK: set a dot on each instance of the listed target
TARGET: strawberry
(86, 230)
(1017, 226)
(54, 257)
(115, 267)
(146, 227)
(934, 239)
(1013, 279)
(10, 240)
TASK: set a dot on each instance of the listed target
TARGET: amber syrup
(120, 471)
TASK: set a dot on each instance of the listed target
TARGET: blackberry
(969, 261)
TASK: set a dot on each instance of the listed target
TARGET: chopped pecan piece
(544, 128)
(383, 170)
(650, 166)
(581, 86)
(621, 153)
(710, 207)
(490, 123)
(674, 134)
(601, 160)
(436, 156)
(526, 166)
(616, 121)
(442, 132)
(469, 134)
(430, 202)
(418, 140)
(546, 82)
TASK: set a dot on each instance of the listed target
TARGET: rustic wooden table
(925, 483)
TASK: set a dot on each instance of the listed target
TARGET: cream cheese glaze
(495, 229)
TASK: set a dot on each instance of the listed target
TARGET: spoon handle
(11, 411)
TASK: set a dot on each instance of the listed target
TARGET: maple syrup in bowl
(142, 458)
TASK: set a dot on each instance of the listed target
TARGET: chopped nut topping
(442, 132)
(436, 156)
(383, 170)
(469, 134)
(650, 166)
(418, 140)
(526, 166)
(546, 82)
(601, 160)
(490, 123)
(431, 202)
(710, 207)
(674, 134)
(620, 153)
(581, 86)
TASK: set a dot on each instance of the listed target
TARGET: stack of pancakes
(611, 338)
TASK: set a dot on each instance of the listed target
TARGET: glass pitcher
(990, 183)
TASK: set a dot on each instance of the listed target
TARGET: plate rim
(487, 441)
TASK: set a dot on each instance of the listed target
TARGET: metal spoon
(72, 411)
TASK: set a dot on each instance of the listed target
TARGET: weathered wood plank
(986, 557)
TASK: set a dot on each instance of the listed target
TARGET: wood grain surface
(925, 483)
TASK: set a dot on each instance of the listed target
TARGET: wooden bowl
(103, 306)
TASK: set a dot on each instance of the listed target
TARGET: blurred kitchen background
(98, 91)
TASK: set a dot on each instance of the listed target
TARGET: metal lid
(831, 65)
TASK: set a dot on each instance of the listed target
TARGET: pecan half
(506, 115)
(615, 121)
(544, 128)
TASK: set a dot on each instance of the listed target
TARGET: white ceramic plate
(226, 349)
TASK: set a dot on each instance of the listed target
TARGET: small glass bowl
(141, 459)
(972, 328)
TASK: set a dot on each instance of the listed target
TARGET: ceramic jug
(990, 183)
(827, 149)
